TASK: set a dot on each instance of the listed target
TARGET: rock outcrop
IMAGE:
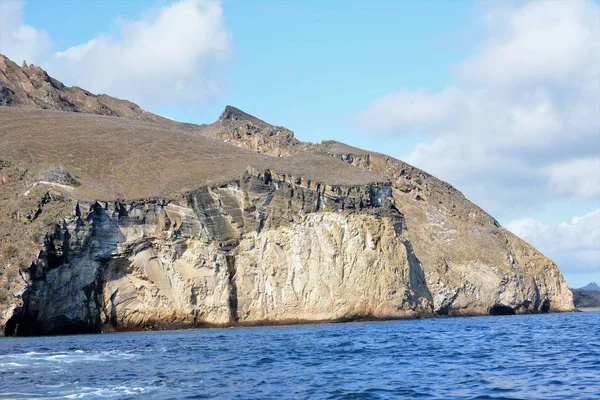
(247, 131)
(472, 265)
(111, 223)
(29, 86)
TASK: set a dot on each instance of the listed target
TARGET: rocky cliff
(472, 265)
(112, 223)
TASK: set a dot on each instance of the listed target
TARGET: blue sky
(302, 57)
(501, 99)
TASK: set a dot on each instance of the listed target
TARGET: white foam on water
(58, 385)
(70, 357)
(81, 392)
(10, 366)
(106, 392)
(30, 353)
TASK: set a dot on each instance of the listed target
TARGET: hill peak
(234, 113)
(591, 286)
(30, 86)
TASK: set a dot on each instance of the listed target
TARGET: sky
(499, 98)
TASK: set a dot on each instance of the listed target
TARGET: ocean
(550, 356)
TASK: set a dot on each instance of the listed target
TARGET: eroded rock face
(310, 232)
(329, 267)
(472, 265)
(260, 250)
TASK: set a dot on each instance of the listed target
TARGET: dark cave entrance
(499, 309)
(545, 307)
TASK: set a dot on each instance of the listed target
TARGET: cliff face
(121, 224)
(471, 264)
(262, 249)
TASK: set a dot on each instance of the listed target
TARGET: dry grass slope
(119, 158)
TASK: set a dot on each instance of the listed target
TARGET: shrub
(36, 235)
(11, 274)
(23, 266)
(9, 251)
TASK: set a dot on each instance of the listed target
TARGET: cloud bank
(574, 245)
(522, 123)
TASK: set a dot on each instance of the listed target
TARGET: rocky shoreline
(114, 219)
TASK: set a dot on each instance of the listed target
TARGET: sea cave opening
(500, 309)
(545, 307)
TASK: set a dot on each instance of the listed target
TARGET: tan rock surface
(471, 263)
(111, 223)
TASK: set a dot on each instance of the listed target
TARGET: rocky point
(113, 218)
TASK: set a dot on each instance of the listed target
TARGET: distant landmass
(587, 296)
(591, 286)
(113, 218)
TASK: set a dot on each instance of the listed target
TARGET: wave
(77, 356)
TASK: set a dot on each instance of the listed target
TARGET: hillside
(124, 221)
(587, 296)
(29, 86)
(118, 158)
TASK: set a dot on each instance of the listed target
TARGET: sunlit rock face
(472, 265)
(112, 223)
(261, 250)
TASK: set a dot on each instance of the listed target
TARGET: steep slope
(586, 298)
(112, 223)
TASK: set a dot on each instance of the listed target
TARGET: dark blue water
(537, 356)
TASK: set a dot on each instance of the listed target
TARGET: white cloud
(19, 41)
(522, 123)
(406, 110)
(574, 245)
(580, 176)
(174, 53)
(550, 42)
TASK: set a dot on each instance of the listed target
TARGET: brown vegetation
(119, 158)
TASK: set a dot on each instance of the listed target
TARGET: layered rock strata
(262, 249)
(472, 265)
(112, 223)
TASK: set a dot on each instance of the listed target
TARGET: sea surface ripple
(554, 356)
